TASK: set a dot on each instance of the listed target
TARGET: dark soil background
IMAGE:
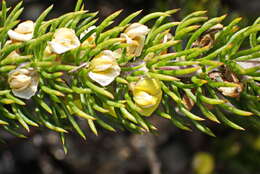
(171, 151)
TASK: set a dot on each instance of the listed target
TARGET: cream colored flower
(64, 40)
(135, 36)
(23, 32)
(104, 68)
(23, 82)
(147, 94)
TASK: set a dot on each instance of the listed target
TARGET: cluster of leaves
(199, 69)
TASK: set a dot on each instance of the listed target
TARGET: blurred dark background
(171, 151)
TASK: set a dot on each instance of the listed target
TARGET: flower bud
(147, 94)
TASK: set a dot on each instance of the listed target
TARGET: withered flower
(207, 39)
(227, 76)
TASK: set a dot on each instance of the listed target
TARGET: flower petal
(64, 40)
(147, 111)
(20, 82)
(136, 30)
(102, 67)
(23, 32)
(18, 36)
(25, 27)
(140, 46)
(106, 77)
(145, 100)
(147, 94)
(136, 45)
(58, 48)
(149, 85)
(26, 93)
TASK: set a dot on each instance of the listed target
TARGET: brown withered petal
(188, 102)
(207, 39)
(214, 29)
(230, 76)
(209, 106)
(231, 91)
(227, 76)
(216, 76)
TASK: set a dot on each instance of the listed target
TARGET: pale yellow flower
(64, 40)
(104, 68)
(23, 32)
(135, 36)
(23, 82)
(147, 94)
